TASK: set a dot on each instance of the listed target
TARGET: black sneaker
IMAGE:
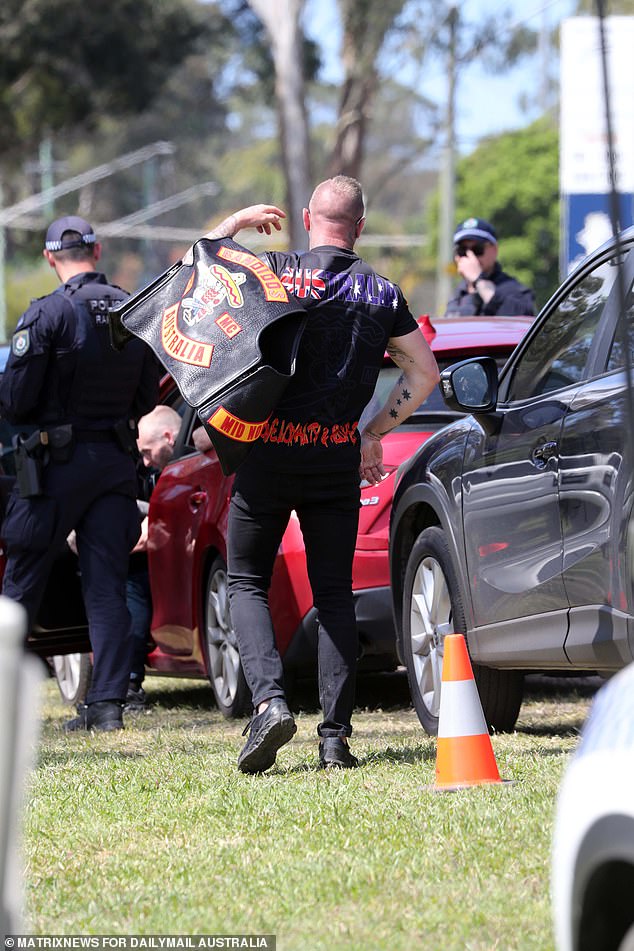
(268, 731)
(334, 753)
(103, 715)
(136, 699)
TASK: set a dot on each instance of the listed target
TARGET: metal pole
(448, 176)
(19, 676)
(3, 285)
(46, 173)
(46, 197)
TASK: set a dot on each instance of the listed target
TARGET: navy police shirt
(63, 369)
(511, 299)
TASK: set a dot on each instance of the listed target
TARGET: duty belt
(94, 435)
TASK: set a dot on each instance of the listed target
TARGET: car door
(510, 483)
(596, 494)
(177, 506)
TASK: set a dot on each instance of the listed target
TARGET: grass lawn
(153, 831)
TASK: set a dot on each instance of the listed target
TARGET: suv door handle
(542, 453)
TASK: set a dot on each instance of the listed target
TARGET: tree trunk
(281, 19)
(365, 25)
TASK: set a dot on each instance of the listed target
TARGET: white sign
(583, 148)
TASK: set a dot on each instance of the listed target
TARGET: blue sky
(486, 103)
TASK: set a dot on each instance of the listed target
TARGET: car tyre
(221, 647)
(433, 608)
(73, 673)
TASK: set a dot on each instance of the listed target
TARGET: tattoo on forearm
(398, 356)
(226, 228)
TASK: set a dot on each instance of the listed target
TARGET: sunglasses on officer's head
(478, 249)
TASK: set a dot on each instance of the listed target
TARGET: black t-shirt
(352, 313)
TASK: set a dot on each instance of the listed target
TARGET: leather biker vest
(226, 331)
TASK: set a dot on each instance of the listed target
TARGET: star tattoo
(407, 395)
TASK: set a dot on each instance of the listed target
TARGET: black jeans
(327, 505)
(138, 596)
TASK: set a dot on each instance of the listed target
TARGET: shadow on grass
(374, 691)
(198, 696)
(406, 755)
(571, 730)
(555, 687)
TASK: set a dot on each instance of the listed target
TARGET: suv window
(557, 354)
(616, 359)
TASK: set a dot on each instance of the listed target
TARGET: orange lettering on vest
(181, 347)
(229, 425)
(271, 284)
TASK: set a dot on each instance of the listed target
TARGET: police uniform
(78, 399)
(510, 299)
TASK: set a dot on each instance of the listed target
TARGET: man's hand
(71, 541)
(201, 439)
(262, 217)
(141, 545)
(468, 266)
(371, 468)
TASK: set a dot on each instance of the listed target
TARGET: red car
(187, 555)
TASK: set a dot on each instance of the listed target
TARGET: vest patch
(215, 285)
(179, 346)
(230, 425)
(20, 343)
(271, 284)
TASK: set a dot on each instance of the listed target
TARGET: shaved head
(335, 213)
(338, 200)
(157, 435)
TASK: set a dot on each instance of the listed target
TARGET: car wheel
(221, 648)
(73, 673)
(433, 608)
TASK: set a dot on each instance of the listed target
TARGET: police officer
(485, 288)
(76, 400)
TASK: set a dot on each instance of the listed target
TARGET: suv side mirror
(471, 386)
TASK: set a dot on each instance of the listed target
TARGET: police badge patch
(20, 343)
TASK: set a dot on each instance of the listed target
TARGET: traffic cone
(464, 755)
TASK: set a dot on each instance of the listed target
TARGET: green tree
(64, 63)
(512, 180)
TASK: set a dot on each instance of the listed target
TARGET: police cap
(475, 228)
(55, 240)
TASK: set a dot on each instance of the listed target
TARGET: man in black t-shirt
(310, 459)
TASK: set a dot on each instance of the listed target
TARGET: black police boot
(334, 753)
(136, 698)
(268, 731)
(103, 715)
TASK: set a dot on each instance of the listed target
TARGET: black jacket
(511, 299)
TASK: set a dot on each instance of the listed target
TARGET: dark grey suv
(513, 525)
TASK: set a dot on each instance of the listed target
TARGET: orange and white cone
(464, 755)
